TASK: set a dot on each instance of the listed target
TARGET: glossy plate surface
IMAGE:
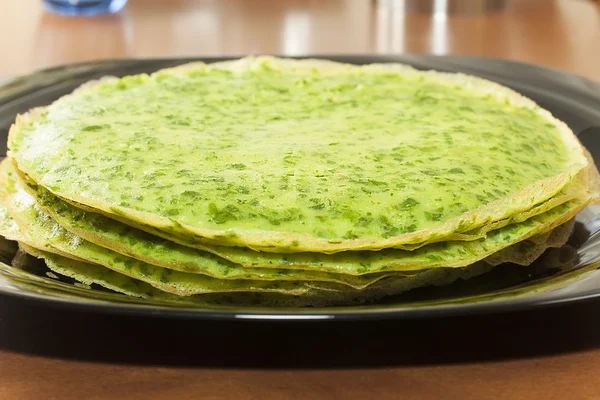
(560, 275)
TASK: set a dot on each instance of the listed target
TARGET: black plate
(573, 275)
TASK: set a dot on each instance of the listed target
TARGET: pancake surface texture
(289, 156)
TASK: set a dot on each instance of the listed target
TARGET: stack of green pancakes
(289, 182)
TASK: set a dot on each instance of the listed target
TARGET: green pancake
(294, 156)
(527, 251)
(88, 273)
(142, 246)
(128, 241)
(42, 232)
(29, 216)
(95, 274)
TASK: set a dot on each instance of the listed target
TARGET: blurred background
(559, 33)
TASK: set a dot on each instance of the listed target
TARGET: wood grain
(550, 378)
(54, 354)
(58, 354)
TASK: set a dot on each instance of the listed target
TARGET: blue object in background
(84, 7)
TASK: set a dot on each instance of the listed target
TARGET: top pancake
(289, 156)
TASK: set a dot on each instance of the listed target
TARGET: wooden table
(545, 354)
